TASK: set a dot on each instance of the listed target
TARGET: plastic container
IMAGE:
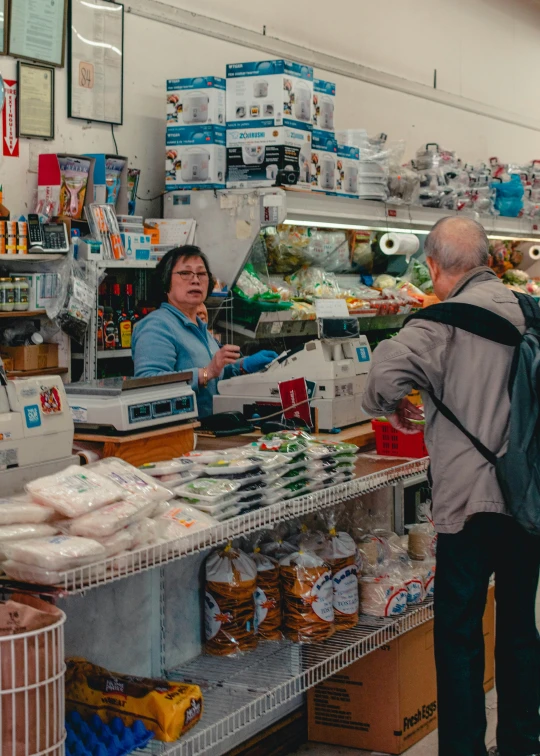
(392, 443)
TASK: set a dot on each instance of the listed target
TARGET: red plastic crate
(392, 443)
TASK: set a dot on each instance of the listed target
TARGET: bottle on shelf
(124, 323)
(134, 316)
(110, 330)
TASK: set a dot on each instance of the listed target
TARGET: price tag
(276, 327)
(331, 308)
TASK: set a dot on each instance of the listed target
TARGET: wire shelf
(239, 690)
(110, 570)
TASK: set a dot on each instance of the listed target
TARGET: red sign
(392, 213)
(294, 399)
(10, 142)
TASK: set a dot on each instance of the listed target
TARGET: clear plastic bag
(268, 614)
(132, 481)
(209, 490)
(117, 543)
(339, 551)
(143, 532)
(59, 552)
(108, 520)
(422, 541)
(382, 596)
(170, 467)
(306, 584)
(74, 304)
(23, 510)
(23, 532)
(74, 491)
(182, 520)
(231, 582)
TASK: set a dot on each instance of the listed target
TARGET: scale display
(162, 408)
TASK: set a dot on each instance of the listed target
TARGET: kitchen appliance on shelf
(253, 154)
(195, 164)
(195, 107)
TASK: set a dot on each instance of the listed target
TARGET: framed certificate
(37, 30)
(35, 101)
(3, 27)
(96, 61)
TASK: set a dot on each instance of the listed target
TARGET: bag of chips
(306, 585)
(229, 618)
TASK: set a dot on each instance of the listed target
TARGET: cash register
(129, 405)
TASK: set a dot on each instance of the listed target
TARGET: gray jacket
(470, 374)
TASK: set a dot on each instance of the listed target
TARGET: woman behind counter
(174, 339)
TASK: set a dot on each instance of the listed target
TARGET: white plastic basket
(32, 671)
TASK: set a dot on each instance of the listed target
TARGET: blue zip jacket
(166, 341)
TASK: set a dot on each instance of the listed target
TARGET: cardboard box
(269, 156)
(137, 246)
(387, 701)
(324, 162)
(196, 101)
(324, 101)
(348, 166)
(109, 181)
(195, 157)
(269, 93)
(27, 358)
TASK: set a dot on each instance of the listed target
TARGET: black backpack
(518, 471)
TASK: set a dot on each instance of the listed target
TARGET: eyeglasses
(189, 275)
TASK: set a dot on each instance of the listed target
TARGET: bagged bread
(29, 718)
(422, 541)
(74, 491)
(371, 552)
(427, 569)
(339, 551)
(132, 481)
(306, 586)
(267, 595)
(229, 619)
(21, 509)
(168, 709)
(382, 596)
(275, 543)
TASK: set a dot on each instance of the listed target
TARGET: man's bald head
(457, 245)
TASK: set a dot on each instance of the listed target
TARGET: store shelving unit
(272, 324)
(24, 314)
(111, 570)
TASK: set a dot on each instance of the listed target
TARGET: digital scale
(128, 405)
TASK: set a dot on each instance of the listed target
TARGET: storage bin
(392, 443)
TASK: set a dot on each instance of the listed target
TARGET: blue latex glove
(257, 361)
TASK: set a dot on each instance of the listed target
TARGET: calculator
(47, 237)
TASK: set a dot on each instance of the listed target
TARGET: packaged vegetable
(231, 582)
(108, 520)
(306, 585)
(210, 490)
(74, 491)
(169, 467)
(21, 509)
(167, 709)
(59, 552)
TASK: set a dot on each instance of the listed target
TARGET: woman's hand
(258, 361)
(225, 356)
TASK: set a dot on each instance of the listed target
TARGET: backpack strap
(530, 309)
(474, 319)
(449, 415)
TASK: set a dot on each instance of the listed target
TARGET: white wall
(485, 50)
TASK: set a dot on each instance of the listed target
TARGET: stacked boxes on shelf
(195, 140)
(269, 124)
(324, 160)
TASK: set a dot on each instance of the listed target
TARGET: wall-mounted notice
(96, 61)
(37, 30)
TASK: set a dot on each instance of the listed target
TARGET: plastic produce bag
(306, 584)
(72, 308)
(382, 596)
(19, 510)
(422, 541)
(339, 551)
(167, 709)
(59, 552)
(74, 491)
(509, 197)
(268, 615)
(231, 582)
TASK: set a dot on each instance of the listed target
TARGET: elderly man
(476, 535)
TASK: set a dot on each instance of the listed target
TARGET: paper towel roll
(534, 252)
(400, 244)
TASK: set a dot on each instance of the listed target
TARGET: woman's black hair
(166, 265)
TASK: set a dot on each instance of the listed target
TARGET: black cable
(114, 138)
(151, 199)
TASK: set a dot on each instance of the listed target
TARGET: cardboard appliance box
(27, 358)
(387, 701)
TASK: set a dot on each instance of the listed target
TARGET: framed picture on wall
(4, 5)
(35, 101)
(37, 30)
(96, 61)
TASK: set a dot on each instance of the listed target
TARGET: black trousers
(465, 561)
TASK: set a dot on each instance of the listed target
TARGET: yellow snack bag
(167, 709)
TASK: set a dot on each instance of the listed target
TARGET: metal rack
(237, 694)
(111, 570)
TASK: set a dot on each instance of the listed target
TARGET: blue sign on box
(137, 246)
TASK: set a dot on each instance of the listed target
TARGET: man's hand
(402, 419)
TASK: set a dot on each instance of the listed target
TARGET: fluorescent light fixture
(352, 226)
